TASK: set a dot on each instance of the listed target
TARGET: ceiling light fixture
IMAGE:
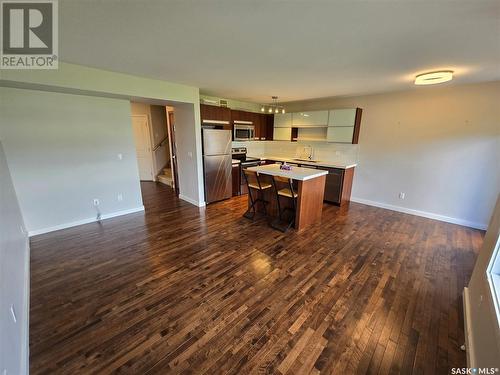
(432, 78)
(273, 107)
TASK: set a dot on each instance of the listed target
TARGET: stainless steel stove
(240, 153)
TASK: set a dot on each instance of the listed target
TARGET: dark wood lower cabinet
(338, 185)
(236, 179)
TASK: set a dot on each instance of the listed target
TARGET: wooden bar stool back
(256, 186)
(284, 189)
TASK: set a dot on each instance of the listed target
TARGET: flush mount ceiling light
(273, 107)
(432, 78)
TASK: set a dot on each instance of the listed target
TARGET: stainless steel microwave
(243, 131)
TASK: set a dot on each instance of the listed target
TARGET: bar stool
(285, 192)
(255, 184)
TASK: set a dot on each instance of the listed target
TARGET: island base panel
(309, 202)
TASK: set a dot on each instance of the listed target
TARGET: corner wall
(481, 321)
(14, 278)
(189, 163)
(63, 151)
(439, 145)
(92, 86)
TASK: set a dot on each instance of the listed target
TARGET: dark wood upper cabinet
(257, 123)
(212, 112)
(237, 115)
(263, 122)
(264, 127)
(269, 127)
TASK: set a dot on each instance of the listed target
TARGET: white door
(143, 147)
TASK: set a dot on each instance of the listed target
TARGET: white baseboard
(36, 232)
(192, 201)
(469, 342)
(428, 215)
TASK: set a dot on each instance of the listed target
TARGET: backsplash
(333, 152)
(256, 148)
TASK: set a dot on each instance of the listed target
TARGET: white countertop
(297, 173)
(320, 163)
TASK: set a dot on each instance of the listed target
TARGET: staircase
(166, 177)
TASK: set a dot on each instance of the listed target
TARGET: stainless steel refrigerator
(217, 164)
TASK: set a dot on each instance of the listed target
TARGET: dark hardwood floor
(188, 290)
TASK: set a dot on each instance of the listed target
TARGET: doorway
(154, 137)
(175, 147)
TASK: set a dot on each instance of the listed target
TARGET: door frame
(149, 145)
(172, 148)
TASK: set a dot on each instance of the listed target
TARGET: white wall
(14, 278)
(77, 79)
(188, 143)
(440, 145)
(482, 327)
(158, 124)
(62, 150)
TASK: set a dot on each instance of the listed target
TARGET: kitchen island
(338, 180)
(310, 186)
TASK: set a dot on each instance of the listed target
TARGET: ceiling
(250, 50)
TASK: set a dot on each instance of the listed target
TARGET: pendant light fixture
(274, 107)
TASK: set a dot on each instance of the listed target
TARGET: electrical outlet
(402, 195)
(337, 153)
(96, 202)
(4, 372)
(120, 156)
(13, 313)
(190, 154)
(119, 197)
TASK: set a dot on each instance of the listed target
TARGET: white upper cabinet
(340, 134)
(342, 117)
(283, 120)
(310, 119)
(282, 134)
